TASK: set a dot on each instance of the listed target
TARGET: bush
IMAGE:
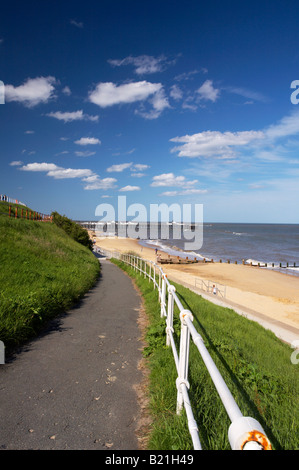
(75, 231)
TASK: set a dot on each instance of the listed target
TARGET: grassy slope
(254, 363)
(4, 209)
(42, 273)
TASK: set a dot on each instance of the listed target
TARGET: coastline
(272, 294)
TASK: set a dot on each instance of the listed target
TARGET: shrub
(75, 231)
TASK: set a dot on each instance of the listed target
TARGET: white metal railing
(244, 433)
(211, 287)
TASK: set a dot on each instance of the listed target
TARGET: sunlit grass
(42, 273)
(254, 363)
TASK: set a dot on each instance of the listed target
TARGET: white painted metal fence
(244, 433)
(211, 287)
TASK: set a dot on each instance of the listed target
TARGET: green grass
(43, 272)
(4, 209)
(254, 363)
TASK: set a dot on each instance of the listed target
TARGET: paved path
(72, 388)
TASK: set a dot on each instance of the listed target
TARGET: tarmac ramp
(73, 386)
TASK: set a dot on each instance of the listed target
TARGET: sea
(272, 246)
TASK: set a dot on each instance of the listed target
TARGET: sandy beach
(271, 293)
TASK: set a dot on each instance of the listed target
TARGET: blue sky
(162, 102)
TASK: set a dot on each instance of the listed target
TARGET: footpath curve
(74, 386)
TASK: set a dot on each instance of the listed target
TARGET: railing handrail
(26, 213)
(210, 286)
(244, 432)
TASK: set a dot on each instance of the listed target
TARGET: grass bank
(254, 363)
(43, 272)
(4, 209)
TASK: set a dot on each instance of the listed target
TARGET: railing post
(169, 321)
(163, 295)
(159, 284)
(183, 359)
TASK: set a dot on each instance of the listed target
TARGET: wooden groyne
(176, 260)
(171, 259)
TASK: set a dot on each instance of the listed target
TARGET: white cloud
(139, 167)
(72, 116)
(214, 143)
(208, 92)
(190, 75)
(40, 167)
(109, 94)
(119, 167)
(134, 167)
(246, 93)
(33, 91)
(63, 173)
(256, 186)
(16, 163)
(176, 93)
(144, 64)
(159, 103)
(85, 154)
(29, 132)
(88, 141)
(192, 99)
(225, 145)
(92, 180)
(185, 192)
(97, 183)
(130, 188)
(67, 91)
(57, 172)
(130, 151)
(78, 24)
(287, 126)
(189, 103)
(169, 179)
